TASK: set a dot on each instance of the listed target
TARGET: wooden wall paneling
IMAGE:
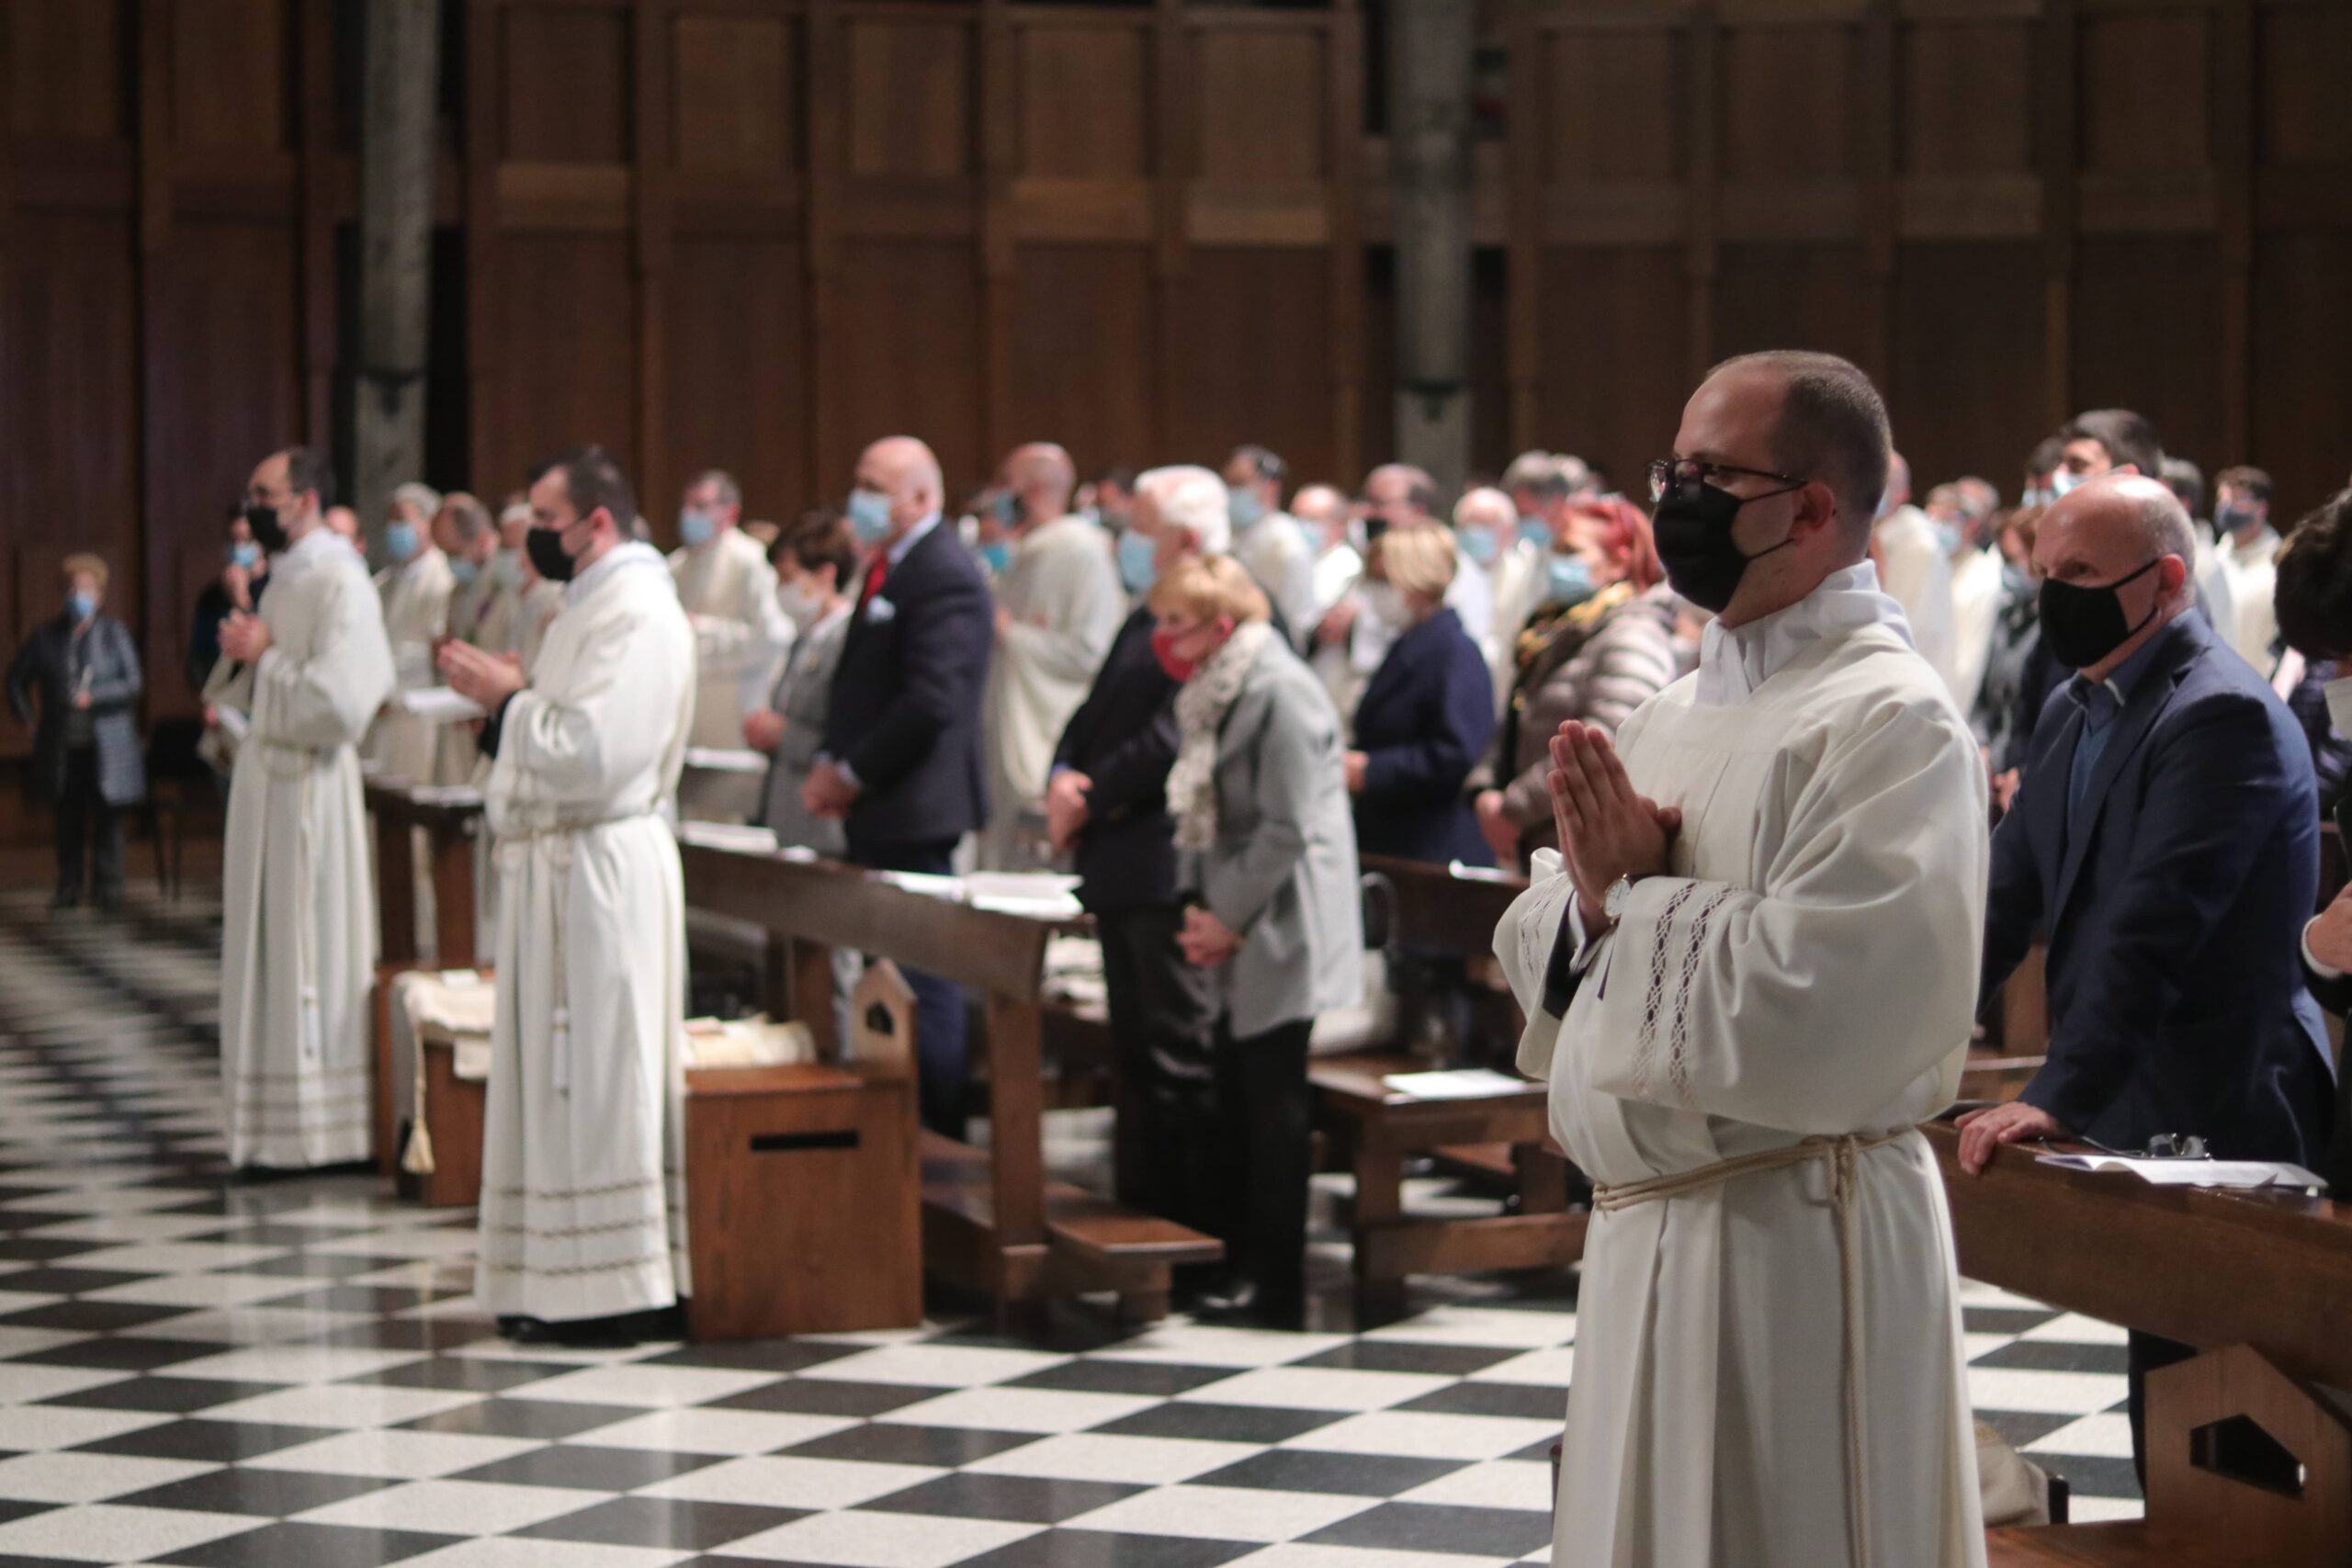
(733, 114)
(2057, 131)
(1172, 79)
(2144, 338)
(1614, 343)
(911, 83)
(659, 471)
(1081, 347)
(1965, 392)
(831, 459)
(2234, 144)
(1248, 365)
(64, 72)
(1703, 239)
(568, 333)
(1343, 184)
(12, 736)
(2304, 50)
(2301, 400)
(314, 42)
(999, 113)
(564, 88)
(1791, 295)
(151, 44)
(1877, 65)
(737, 392)
(495, 470)
(1528, 127)
(222, 52)
(909, 320)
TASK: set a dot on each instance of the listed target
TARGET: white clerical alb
(583, 1190)
(1807, 970)
(298, 944)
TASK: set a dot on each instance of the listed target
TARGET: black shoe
(110, 904)
(620, 1332)
(63, 900)
(1231, 1299)
(524, 1330)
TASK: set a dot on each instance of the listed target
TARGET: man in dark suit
(2166, 838)
(900, 766)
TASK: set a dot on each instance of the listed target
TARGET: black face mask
(269, 532)
(1703, 562)
(2082, 626)
(547, 558)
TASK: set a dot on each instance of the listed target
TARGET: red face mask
(1164, 648)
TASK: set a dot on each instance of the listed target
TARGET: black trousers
(1259, 1159)
(941, 1058)
(1163, 1031)
(85, 819)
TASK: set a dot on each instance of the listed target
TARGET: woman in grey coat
(1267, 847)
(814, 563)
(87, 758)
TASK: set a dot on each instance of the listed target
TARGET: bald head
(1401, 493)
(2106, 530)
(1323, 509)
(1485, 508)
(904, 472)
(1042, 475)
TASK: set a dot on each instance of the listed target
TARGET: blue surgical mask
(464, 570)
(1949, 537)
(869, 513)
(1243, 505)
(1534, 531)
(1137, 567)
(997, 558)
(1479, 545)
(1571, 580)
(245, 553)
(80, 605)
(2064, 482)
(400, 541)
(695, 526)
(1007, 507)
(507, 571)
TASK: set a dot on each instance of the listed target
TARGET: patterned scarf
(1201, 707)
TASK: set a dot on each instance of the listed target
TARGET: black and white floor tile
(294, 1374)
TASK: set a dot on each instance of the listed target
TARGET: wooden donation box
(802, 1212)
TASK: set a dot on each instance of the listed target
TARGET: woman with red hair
(1594, 661)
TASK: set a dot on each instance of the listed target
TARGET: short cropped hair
(593, 479)
(2048, 452)
(84, 564)
(2186, 480)
(822, 539)
(1263, 463)
(2251, 483)
(467, 515)
(2314, 593)
(421, 496)
(1419, 558)
(730, 493)
(308, 469)
(1833, 429)
(1192, 498)
(2127, 437)
(1208, 587)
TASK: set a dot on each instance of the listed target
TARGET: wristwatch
(1612, 903)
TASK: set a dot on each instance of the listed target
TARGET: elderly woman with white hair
(415, 586)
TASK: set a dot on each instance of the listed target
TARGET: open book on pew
(2235, 1173)
(437, 705)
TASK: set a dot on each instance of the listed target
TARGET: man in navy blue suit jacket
(2166, 839)
(901, 760)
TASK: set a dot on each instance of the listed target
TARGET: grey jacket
(53, 663)
(1283, 872)
(802, 695)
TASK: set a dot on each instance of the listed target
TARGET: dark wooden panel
(1084, 93)
(910, 97)
(1606, 116)
(2302, 396)
(910, 337)
(1616, 329)
(1259, 112)
(1966, 98)
(220, 390)
(1081, 352)
(566, 87)
(1252, 360)
(1791, 297)
(2299, 109)
(72, 390)
(1967, 359)
(229, 65)
(567, 341)
(2146, 91)
(1789, 97)
(65, 75)
(733, 95)
(2143, 336)
(737, 377)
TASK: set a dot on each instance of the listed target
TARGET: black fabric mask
(1703, 562)
(547, 558)
(2082, 626)
(269, 532)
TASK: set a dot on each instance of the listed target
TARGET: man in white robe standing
(1057, 607)
(582, 1213)
(741, 634)
(1914, 568)
(416, 587)
(1747, 980)
(309, 668)
(1269, 543)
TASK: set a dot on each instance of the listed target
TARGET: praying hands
(1607, 829)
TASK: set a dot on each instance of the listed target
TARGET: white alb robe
(1062, 595)
(741, 634)
(2252, 565)
(1806, 968)
(582, 1192)
(297, 946)
(1275, 553)
(416, 612)
(1917, 576)
(1976, 597)
(1521, 577)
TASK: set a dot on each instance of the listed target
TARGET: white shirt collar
(914, 536)
(626, 556)
(1734, 662)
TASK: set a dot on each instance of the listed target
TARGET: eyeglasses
(1684, 476)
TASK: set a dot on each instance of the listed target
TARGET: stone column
(1429, 45)
(403, 55)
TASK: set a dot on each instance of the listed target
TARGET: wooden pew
(448, 828)
(2268, 1272)
(991, 1221)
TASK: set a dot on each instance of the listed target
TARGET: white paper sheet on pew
(951, 887)
(437, 705)
(713, 759)
(2193, 1172)
(740, 837)
(1039, 894)
(1463, 1083)
(232, 722)
(445, 795)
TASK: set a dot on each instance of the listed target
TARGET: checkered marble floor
(295, 1375)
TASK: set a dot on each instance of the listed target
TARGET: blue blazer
(905, 712)
(1423, 723)
(2175, 913)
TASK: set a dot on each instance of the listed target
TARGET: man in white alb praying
(583, 1221)
(1748, 978)
(308, 666)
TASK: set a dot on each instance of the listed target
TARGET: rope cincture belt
(1840, 1154)
(563, 835)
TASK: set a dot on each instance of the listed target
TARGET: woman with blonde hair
(1266, 859)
